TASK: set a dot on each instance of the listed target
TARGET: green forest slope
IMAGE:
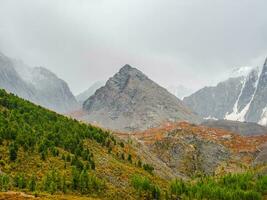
(50, 156)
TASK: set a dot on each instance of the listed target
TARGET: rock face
(215, 102)
(258, 108)
(38, 85)
(190, 154)
(242, 128)
(262, 155)
(89, 92)
(243, 98)
(130, 101)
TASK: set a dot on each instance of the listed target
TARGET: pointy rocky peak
(126, 73)
(131, 101)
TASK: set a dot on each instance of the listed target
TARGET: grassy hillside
(43, 152)
(49, 156)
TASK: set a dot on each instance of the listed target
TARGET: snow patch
(241, 71)
(263, 120)
(240, 116)
(210, 118)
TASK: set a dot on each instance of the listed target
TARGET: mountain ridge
(36, 84)
(245, 100)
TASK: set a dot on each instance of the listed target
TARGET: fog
(189, 42)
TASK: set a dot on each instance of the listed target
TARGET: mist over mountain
(189, 122)
(180, 91)
(37, 84)
(90, 91)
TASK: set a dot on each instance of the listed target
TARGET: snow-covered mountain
(240, 71)
(242, 98)
(37, 84)
(89, 92)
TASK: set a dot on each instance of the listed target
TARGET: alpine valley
(130, 138)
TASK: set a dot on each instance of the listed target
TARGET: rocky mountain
(38, 85)
(242, 98)
(242, 128)
(11, 80)
(89, 92)
(130, 101)
(215, 102)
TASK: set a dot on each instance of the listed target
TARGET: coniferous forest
(46, 154)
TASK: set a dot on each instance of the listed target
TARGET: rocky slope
(11, 80)
(242, 98)
(242, 128)
(38, 85)
(262, 156)
(190, 149)
(131, 101)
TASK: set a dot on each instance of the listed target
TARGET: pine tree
(12, 152)
(32, 183)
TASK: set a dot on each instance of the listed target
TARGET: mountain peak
(130, 101)
(128, 69)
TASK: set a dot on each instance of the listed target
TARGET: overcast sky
(189, 42)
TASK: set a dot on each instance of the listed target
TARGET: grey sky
(189, 42)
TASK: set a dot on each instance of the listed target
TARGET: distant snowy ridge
(241, 115)
(241, 71)
(243, 97)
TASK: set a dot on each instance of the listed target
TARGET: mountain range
(37, 84)
(241, 98)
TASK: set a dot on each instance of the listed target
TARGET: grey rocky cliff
(214, 102)
(244, 99)
(130, 101)
(258, 107)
